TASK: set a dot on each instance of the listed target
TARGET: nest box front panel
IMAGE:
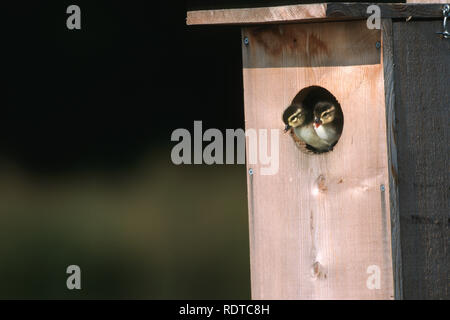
(319, 227)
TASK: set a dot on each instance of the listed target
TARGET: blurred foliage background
(157, 231)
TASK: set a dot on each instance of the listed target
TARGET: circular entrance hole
(315, 120)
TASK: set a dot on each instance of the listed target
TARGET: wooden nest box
(369, 219)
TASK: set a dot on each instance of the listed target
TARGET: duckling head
(324, 112)
(294, 116)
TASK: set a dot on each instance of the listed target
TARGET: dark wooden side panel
(388, 66)
(422, 98)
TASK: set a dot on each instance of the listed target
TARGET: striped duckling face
(324, 113)
(294, 116)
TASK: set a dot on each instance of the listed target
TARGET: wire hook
(446, 13)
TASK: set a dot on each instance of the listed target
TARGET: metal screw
(246, 41)
(250, 171)
(382, 188)
(378, 45)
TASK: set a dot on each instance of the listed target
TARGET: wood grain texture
(317, 225)
(388, 10)
(422, 69)
(290, 13)
(388, 65)
(427, 1)
(310, 12)
(290, 46)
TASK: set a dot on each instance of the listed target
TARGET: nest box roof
(310, 12)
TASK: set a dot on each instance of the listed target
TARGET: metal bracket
(446, 13)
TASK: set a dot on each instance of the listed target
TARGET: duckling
(328, 122)
(300, 119)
